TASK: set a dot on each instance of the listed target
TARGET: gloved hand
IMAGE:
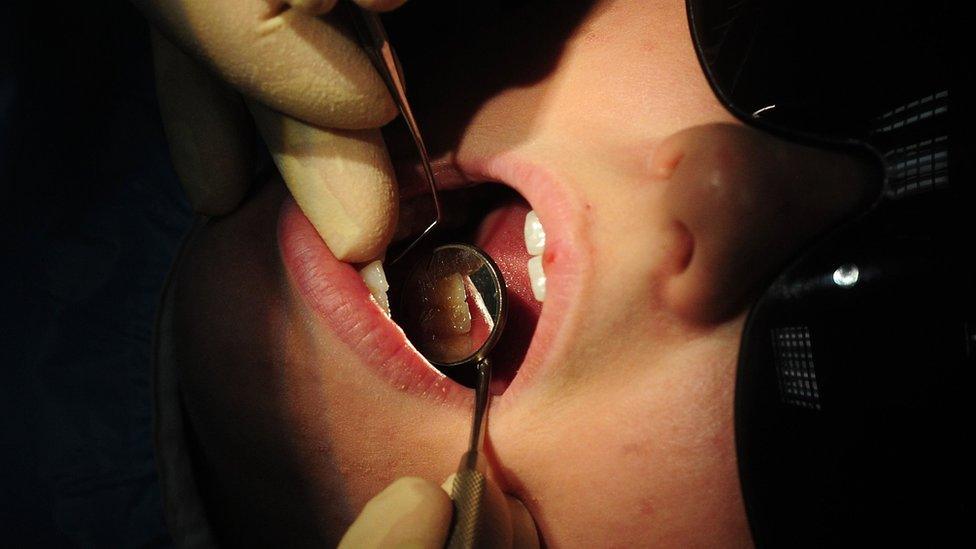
(314, 94)
(413, 512)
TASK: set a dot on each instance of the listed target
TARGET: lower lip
(338, 296)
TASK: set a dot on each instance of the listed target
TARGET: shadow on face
(469, 52)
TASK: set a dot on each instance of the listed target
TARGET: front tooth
(375, 278)
(538, 278)
(535, 234)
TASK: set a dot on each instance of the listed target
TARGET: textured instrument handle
(468, 494)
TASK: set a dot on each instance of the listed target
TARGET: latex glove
(413, 512)
(315, 95)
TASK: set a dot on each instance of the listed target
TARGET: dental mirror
(454, 304)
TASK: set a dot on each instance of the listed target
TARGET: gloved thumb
(411, 512)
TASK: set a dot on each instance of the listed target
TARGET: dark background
(91, 217)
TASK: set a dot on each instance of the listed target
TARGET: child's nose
(748, 201)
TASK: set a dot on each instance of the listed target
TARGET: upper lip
(336, 293)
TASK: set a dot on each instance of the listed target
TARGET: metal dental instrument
(377, 46)
(468, 491)
(485, 302)
(455, 305)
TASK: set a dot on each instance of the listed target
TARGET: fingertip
(426, 513)
(448, 484)
(342, 180)
(419, 487)
(410, 512)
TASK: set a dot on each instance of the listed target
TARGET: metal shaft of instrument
(388, 66)
(481, 399)
(470, 481)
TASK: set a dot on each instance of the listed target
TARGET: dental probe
(384, 58)
(468, 491)
(483, 287)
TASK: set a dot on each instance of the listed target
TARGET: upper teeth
(375, 278)
(535, 235)
(535, 243)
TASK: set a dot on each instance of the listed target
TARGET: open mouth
(490, 215)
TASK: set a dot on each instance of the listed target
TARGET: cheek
(649, 81)
(227, 307)
(644, 459)
(355, 433)
(298, 434)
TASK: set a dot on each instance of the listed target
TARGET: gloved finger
(507, 523)
(411, 512)
(309, 67)
(208, 128)
(341, 179)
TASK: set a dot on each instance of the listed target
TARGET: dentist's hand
(314, 95)
(416, 513)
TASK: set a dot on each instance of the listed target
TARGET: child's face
(617, 430)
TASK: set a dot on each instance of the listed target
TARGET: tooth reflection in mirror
(453, 305)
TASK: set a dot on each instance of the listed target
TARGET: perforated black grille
(913, 112)
(919, 167)
(795, 371)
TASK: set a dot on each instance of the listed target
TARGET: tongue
(501, 236)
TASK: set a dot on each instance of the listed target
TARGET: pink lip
(340, 299)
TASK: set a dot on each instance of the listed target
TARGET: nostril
(680, 247)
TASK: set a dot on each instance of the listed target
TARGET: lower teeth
(537, 276)
(535, 244)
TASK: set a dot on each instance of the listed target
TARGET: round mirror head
(453, 305)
